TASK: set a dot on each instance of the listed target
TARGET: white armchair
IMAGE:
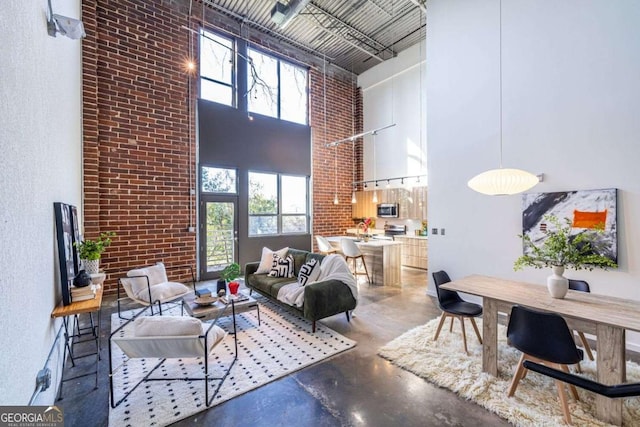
(150, 285)
(166, 337)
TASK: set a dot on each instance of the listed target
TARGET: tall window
(216, 68)
(276, 88)
(278, 204)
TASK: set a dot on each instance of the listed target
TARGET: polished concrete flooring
(354, 388)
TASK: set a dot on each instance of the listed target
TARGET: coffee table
(208, 312)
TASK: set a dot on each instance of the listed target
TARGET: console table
(73, 310)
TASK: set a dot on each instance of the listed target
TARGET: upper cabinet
(412, 202)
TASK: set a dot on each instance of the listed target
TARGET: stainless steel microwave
(387, 210)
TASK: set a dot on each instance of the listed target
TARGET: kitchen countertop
(370, 231)
(370, 243)
(413, 236)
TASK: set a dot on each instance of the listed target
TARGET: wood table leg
(611, 370)
(490, 336)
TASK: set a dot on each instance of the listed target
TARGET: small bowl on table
(204, 301)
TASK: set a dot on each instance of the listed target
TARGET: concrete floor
(354, 388)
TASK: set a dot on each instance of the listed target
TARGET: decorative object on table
(82, 279)
(82, 293)
(563, 247)
(230, 273)
(204, 292)
(90, 251)
(535, 404)
(205, 300)
(587, 210)
(364, 227)
(66, 235)
(233, 288)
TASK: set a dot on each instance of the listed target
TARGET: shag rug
(535, 403)
(281, 344)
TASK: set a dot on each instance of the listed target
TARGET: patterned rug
(282, 344)
(535, 402)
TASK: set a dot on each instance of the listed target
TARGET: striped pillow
(309, 272)
(282, 267)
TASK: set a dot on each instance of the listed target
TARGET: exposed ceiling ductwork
(282, 14)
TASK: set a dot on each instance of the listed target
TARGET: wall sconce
(70, 27)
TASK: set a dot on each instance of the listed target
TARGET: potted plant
(561, 249)
(229, 274)
(90, 251)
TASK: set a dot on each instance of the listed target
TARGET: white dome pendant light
(499, 182)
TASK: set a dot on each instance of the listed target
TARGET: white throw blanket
(333, 267)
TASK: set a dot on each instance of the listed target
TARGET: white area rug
(535, 403)
(282, 344)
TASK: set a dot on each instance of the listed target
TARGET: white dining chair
(324, 246)
(351, 251)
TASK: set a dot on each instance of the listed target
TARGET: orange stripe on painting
(589, 219)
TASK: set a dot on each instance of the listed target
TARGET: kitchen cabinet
(364, 206)
(412, 202)
(414, 251)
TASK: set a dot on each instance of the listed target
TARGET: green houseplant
(229, 274)
(90, 251)
(562, 249)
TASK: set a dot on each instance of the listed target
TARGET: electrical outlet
(442, 231)
(191, 229)
(43, 379)
(434, 231)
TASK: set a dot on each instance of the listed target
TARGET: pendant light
(502, 181)
(375, 190)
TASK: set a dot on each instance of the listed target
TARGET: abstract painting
(586, 210)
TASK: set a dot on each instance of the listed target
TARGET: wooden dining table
(605, 316)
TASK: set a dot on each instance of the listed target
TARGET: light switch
(442, 231)
(434, 231)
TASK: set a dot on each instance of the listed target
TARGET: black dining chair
(544, 338)
(455, 307)
(582, 286)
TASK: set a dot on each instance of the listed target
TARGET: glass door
(218, 235)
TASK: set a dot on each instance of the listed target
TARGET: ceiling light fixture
(498, 182)
(375, 190)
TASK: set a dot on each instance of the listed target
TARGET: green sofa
(321, 299)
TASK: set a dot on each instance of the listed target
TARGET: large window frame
(257, 84)
(290, 98)
(220, 42)
(280, 213)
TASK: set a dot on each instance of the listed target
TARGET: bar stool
(324, 246)
(351, 251)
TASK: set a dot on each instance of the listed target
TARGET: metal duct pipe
(292, 10)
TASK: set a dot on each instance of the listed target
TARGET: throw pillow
(155, 273)
(309, 272)
(266, 262)
(282, 267)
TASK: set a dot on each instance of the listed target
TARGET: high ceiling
(353, 34)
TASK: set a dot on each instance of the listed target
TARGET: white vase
(557, 284)
(91, 266)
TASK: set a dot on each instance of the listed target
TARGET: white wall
(570, 110)
(40, 163)
(392, 94)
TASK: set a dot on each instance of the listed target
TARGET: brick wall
(139, 157)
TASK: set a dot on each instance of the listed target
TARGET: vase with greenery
(561, 249)
(90, 251)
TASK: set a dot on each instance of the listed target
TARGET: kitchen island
(383, 258)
